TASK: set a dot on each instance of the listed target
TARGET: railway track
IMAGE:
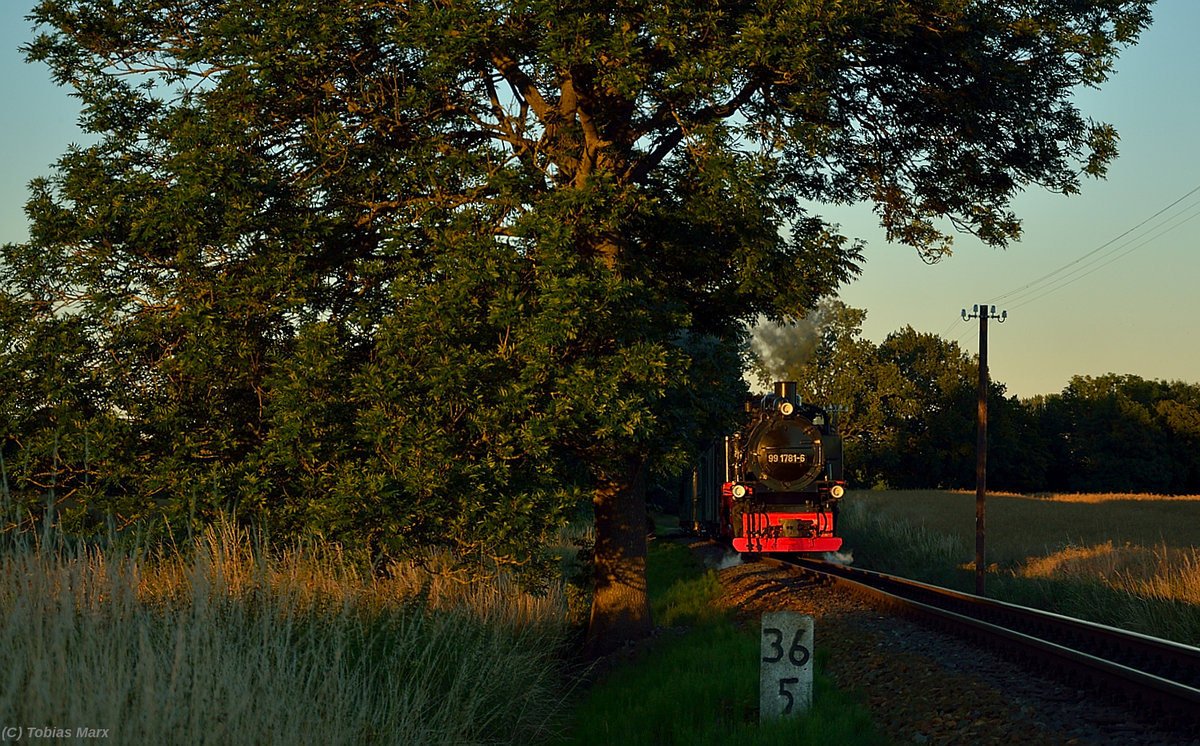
(1159, 678)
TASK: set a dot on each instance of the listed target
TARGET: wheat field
(1128, 560)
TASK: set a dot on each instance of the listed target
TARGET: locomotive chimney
(786, 390)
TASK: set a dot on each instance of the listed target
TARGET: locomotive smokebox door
(785, 452)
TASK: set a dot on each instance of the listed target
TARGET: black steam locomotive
(773, 486)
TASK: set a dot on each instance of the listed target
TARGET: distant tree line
(909, 415)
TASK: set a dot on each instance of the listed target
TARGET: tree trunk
(620, 607)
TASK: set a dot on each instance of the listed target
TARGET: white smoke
(784, 349)
(840, 558)
(728, 559)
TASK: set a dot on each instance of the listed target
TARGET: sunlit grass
(236, 644)
(1127, 560)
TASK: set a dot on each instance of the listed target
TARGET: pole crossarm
(991, 314)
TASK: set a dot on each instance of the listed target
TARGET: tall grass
(1047, 554)
(1153, 590)
(909, 548)
(227, 643)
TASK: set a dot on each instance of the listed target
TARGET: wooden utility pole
(982, 313)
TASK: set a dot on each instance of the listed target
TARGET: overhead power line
(1106, 253)
(1162, 222)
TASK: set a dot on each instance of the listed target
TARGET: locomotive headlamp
(787, 408)
(836, 491)
(740, 491)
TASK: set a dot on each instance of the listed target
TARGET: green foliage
(912, 394)
(702, 688)
(681, 591)
(427, 274)
(1121, 433)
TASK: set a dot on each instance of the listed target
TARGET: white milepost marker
(786, 672)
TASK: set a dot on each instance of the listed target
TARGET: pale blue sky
(1132, 307)
(1129, 307)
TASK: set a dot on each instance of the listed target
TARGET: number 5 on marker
(787, 693)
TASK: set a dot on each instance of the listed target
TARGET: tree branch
(672, 138)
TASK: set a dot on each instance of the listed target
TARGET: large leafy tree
(419, 270)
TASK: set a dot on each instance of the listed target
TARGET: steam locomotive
(774, 485)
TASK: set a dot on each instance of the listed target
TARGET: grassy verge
(1128, 561)
(698, 683)
(233, 644)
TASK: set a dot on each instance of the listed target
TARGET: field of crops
(1127, 560)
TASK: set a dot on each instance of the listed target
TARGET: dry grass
(1021, 527)
(1129, 560)
(238, 645)
(1161, 572)
(1072, 497)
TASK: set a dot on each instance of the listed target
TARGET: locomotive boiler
(774, 485)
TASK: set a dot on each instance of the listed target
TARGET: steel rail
(1157, 675)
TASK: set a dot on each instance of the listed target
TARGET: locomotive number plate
(786, 458)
